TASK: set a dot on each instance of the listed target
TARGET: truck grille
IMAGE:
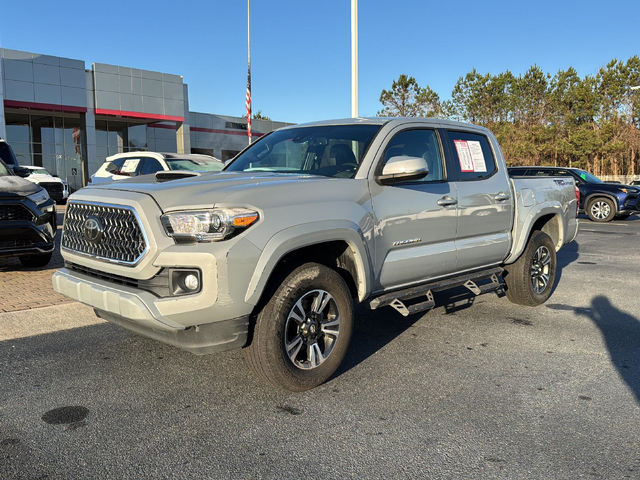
(12, 213)
(52, 187)
(13, 244)
(115, 234)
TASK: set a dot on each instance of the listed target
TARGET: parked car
(270, 253)
(27, 220)
(635, 182)
(57, 188)
(601, 201)
(125, 165)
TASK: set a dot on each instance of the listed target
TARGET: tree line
(590, 122)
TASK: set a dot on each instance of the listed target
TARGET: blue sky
(301, 49)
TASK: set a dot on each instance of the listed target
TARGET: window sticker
(464, 155)
(470, 156)
(130, 166)
(479, 164)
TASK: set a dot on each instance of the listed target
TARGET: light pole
(354, 58)
(3, 128)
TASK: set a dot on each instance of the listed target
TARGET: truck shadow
(566, 256)
(374, 329)
(621, 333)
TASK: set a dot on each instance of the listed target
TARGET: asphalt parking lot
(476, 388)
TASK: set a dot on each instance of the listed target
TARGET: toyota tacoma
(271, 254)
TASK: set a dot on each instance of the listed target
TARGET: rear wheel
(529, 281)
(601, 210)
(302, 333)
(35, 261)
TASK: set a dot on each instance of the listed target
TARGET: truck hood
(11, 186)
(260, 189)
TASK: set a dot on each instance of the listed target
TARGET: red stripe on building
(147, 116)
(225, 132)
(44, 106)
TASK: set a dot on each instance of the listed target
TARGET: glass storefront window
(137, 137)
(42, 130)
(18, 129)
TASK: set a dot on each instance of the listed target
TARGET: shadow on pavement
(621, 333)
(565, 257)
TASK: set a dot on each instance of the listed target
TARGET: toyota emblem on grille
(92, 229)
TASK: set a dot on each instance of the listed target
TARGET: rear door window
(128, 167)
(472, 155)
(151, 165)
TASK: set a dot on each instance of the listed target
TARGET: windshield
(587, 177)
(39, 171)
(330, 151)
(194, 165)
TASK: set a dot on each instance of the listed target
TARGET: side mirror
(21, 172)
(403, 169)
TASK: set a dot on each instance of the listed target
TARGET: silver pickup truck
(271, 254)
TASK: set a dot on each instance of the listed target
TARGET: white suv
(132, 164)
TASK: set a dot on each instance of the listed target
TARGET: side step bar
(395, 299)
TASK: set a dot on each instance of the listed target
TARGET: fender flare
(527, 226)
(610, 196)
(305, 235)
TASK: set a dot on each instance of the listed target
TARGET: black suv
(601, 201)
(27, 220)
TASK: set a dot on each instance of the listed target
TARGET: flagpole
(354, 58)
(248, 98)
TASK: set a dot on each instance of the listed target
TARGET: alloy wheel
(540, 268)
(312, 329)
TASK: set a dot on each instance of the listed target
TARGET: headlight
(39, 197)
(208, 225)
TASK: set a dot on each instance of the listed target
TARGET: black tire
(267, 354)
(598, 207)
(35, 261)
(519, 276)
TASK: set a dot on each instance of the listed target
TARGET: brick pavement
(23, 288)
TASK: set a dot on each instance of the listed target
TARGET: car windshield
(330, 151)
(194, 165)
(587, 177)
(39, 171)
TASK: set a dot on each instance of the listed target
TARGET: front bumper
(29, 237)
(142, 312)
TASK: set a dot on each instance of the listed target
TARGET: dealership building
(68, 118)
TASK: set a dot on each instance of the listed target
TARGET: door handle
(446, 201)
(501, 197)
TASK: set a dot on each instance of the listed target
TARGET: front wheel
(302, 333)
(529, 281)
(601, 210)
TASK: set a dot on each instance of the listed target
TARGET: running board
(395, 299)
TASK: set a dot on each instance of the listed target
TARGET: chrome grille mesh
(122, 238)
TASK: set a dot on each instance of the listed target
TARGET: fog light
(191, 282)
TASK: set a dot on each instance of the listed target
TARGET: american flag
(248, 103)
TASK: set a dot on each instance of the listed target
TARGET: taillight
(577, 190)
